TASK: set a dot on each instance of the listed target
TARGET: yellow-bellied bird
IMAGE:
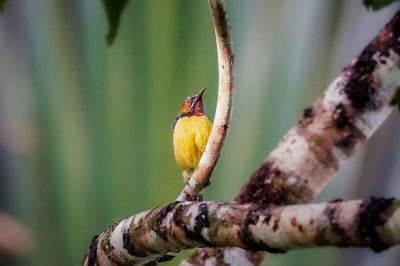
(191, 131)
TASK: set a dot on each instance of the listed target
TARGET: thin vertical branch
(201, 176)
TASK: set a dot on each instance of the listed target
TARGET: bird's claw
(197, 198)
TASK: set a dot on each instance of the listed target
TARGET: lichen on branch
(149, 236)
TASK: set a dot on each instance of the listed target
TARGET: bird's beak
(199, 96)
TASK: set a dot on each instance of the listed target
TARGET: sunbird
(191, 130)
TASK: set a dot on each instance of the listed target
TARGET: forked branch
(201, 176)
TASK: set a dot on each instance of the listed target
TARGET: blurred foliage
(86, 129)
(113, 9)
(2, 4)
(397, 98)
(375, 5)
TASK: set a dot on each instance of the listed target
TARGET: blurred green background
(86, 129)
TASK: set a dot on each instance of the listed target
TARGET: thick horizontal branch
(149, 236)
(201, 176)
(328, 134)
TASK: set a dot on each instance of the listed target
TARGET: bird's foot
(198, 197)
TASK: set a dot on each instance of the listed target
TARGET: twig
(202, 175)
(148, 237)
(328, 134)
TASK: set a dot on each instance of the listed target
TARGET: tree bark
(328, 134)
(149, 236)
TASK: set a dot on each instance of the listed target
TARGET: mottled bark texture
(328, 134)
(148, 237)
(202, 175)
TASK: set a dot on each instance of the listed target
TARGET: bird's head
(193, 104)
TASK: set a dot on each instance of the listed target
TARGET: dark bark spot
(341, 118)
(365, 63)
(267, 219)
(158, 219)
(361, 87)
(256, 190)
(308, 112)
(267, 186)
(276, 172)
(193, 236)
(200, 221)
(360, 93)
(276, 225)
(247, 238)
(128, 241)
(308, 116)
(177, 217)
(347, 142)
(300, 228)
(331, 213)
(348, 134)
(373, 214)
(129, 246)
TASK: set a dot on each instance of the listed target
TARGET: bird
(191, 130)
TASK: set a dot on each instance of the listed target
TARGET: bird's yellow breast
(190, 139)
